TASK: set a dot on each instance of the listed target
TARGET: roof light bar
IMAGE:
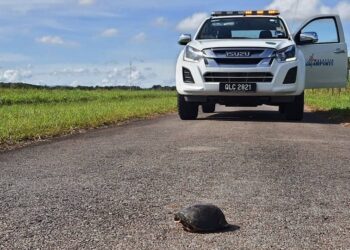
(227, 13)
(274, 12)
(246, 13)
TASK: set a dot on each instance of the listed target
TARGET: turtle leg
(187, 227)
(177, 218)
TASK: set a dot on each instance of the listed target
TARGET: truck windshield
(243, 28)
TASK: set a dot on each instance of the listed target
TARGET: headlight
(287, 54)
(192, 54)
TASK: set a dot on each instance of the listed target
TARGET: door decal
(314, 62)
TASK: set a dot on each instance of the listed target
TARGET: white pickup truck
(251, 58)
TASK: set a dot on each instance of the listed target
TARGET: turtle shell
(202, 218)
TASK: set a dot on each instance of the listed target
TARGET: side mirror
(185, 39)
(308, 37)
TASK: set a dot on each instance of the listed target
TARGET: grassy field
(335, 104)
(30, 114)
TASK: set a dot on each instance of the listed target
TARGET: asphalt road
(285, 185)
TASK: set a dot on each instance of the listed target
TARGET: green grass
(336, 103)
(29, 114)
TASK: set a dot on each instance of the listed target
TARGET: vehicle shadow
(336, 116)
(228, 229)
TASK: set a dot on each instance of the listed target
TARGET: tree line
(32, 86)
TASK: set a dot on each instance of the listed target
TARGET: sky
(117, 42)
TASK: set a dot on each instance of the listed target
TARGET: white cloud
(141, 73)
(160, 22)
(86, 2)
(110, 32)
(140, 37)
(308, 8)
(125, 75)
(15, 75)
(191, 23)
(51, 40)
(13, 58)
(342, 8)
(74, 83)
(136, 76)
(54, 40)
(71, 71)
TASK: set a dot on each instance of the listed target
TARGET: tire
(186, 110)
(295, 111)
(208, 107)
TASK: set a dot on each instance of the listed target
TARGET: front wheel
(186, 110)
(295, 111)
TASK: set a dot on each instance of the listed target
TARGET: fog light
(291, 76)
(187, 76)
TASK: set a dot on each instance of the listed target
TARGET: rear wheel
(208, 107)
(186, 110)
(295, 111)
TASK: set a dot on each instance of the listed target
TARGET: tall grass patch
(334, 101)
(33, 114)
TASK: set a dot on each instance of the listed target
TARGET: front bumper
(244, 101)
(274, 88)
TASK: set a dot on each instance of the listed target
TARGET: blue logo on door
(314, 62)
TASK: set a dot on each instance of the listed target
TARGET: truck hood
(241, 43)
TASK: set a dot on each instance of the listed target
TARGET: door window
(325, 28)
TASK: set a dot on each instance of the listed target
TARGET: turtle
(202, 218)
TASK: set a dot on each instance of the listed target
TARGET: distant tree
(156, 87)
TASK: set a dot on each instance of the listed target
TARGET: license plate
(238, 87)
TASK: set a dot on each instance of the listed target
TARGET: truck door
(322, 41)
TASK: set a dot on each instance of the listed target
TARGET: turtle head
(177, 218)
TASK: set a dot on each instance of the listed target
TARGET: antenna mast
(130, 74)
(295, 14)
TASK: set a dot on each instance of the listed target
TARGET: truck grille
(239, 56)
(252, 51)
(238, 77)
(240, 61)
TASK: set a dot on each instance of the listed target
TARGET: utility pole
(130, 74)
